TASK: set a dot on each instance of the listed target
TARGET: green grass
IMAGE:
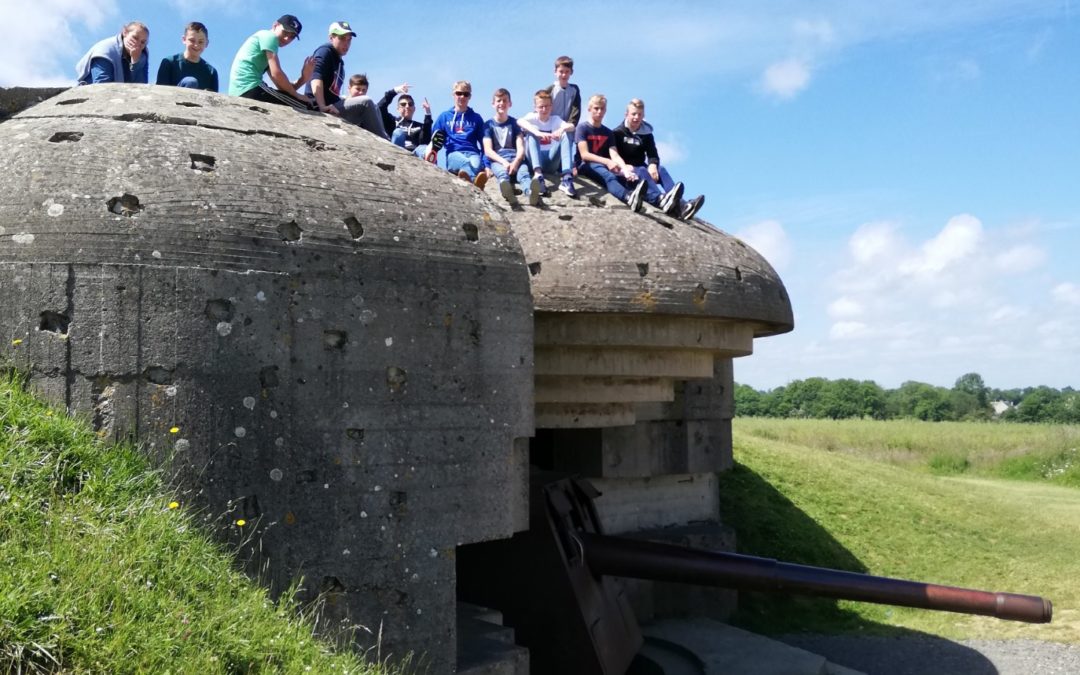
(1039, 452)
(835, 497)
(101, 571)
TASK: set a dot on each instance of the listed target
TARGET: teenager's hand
(426, 106)
(629, 174)
(612, 165)
(402, 88)
(329, 110)
(308, 69)
(654, 172)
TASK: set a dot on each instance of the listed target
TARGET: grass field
(869, 497)
(103, 571)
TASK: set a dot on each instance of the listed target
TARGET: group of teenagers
(553, 139)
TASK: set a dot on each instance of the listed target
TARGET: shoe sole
(438, 140)
(669, 203)
(507, 191)
(636, 201)
(480, 181)
(535, 188)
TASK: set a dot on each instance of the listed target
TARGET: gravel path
(923, 655)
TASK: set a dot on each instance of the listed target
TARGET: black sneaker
(438, 139)
(670, 203)
(636, 198)
(692, 207)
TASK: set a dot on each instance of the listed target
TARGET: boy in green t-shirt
(258, 55)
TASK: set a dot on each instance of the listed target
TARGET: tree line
(968, 399)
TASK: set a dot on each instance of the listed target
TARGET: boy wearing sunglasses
(404, 131)
(463, 131)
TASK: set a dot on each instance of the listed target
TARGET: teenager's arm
(164, 73)
(574, 114)
(490, 155)
(425, 133)
(281, 80)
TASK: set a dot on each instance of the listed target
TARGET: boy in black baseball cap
(258, 55)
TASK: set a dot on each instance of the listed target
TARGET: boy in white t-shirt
(549, 143)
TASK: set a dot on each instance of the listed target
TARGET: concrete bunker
(350, 349)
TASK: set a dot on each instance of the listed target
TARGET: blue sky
(909, 167)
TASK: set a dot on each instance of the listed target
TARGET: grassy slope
(849, 510)
(99, 572)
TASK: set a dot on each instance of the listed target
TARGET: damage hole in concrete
(699, 294)
(534, 268)
(331, 585)
(385, 167)
(124, 205)
(219, 310)
(335, 339)
(396, 378)
(268, 377)
(566, 216)
(738, 274)
(202, 162)
(71, 101)
(356, 230)
(54, 322)
(643, 269)
(306, 476)
(66, 137)
(398, 499)
(257, 109)
(290, 231)
(355, 434)
(189, 104)
(472, 232)
(158, 375)
(156, 118)
(317, 145)
(249, 508)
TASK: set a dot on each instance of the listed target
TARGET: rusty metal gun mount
(553, 583)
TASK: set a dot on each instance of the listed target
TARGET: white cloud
(956, 242)
(1020, 258)
(849, 330)
(872, 241)
(817, 30)
(671, 150)
(1067, 293)
(770, 240)
(1007, 313)
(787, 78)
(42, 50)
(844, 308)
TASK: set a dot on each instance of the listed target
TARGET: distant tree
(749, 402)
(1040, 404)
(921, 401)
(972, 383)
(802, 398)
(873, 400)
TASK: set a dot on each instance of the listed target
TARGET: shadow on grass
(769, 525)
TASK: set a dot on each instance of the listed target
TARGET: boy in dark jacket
(404, 130)
(187, 69)
(636, 144)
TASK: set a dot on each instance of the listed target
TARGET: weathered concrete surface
(16, 99)
(319, 333)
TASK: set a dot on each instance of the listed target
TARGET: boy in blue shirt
(463, 131)
(504, 151)
(187, 69)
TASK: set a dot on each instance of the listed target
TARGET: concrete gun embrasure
(554, 582)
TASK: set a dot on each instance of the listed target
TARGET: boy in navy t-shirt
(601, 161)
(504, 151)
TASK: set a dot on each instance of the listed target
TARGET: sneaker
(669, 203)
(538, 179)
(536, 189)
(438, 139)
(464, 175)
(636, 198)
(507, 190)
(567, 186)
(481, 180)
(692, 207)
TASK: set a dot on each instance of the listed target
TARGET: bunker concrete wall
(317, 333)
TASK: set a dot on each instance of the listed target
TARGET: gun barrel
(616, 556)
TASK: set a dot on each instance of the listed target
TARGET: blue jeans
(614, 183)
(557, 156)
(463, 160)
(523, 176)
(398, 136)
(654, 192)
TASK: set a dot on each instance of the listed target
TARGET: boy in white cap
(326, 83)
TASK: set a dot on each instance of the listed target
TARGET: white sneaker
(636, 198)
